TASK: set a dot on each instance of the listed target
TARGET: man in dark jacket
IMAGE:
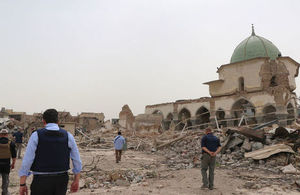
(19, 140)
(210, 148)
(48, 155)
(7, 152)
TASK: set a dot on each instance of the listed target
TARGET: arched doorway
(168, 121)
(184, 118)
(202, 117)
(291, 113)
(244, 108)
(269, 113)
(220, 114)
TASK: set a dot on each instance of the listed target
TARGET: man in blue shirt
(18, 140)
(47, 155)
(119, 142)
(210, 148)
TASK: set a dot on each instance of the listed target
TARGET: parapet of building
(257, 86)
(90, 120)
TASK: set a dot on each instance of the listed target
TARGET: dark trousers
(118, 155)
(49, 184)
(208, 162)
(5, 182)
(19, 149)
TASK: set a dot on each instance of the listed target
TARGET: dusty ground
(169, 182)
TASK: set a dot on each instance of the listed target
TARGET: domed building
(257, 86)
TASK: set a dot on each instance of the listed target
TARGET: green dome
(253, 47)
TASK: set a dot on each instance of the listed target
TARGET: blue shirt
(18, 135)
(211, 142)
(119, 141)
(31, 148)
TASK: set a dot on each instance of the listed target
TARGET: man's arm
(217, 151)
(207, 150)
(77, 165)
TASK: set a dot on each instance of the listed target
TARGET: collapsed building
(257, 86)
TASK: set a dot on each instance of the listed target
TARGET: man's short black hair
(50, 116)
(119, 133)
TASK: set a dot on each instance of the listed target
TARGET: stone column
(282, 115)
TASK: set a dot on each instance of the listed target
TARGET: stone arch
(184, 117)
(269, 112)
(168, 121)
(202, 117)
(243, 107)
(291, 113)
(220, 114)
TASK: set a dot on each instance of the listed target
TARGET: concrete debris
(257, 146)
(247, 145)
(268, 151)
(290, 169)
(235, 141)
(282, 132)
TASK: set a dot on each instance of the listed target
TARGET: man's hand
(23, 190)
(12, 166)
(75, 186)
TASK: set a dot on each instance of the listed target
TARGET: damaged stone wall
(148, 122)
(274, 80)
(126, 118)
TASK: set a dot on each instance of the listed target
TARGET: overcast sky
(97, 55)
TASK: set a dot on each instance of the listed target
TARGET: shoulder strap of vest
(117, 138)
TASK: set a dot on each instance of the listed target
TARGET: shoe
(204, 187)
(211, 187)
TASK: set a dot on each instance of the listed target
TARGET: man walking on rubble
(210, 148)
(7, 151)
(119, 142)
(19, 140)
(48, 154)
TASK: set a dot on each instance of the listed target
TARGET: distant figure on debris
(7, 151)
(48, 156)
(210, 148)
(119, 142)
(19, 140)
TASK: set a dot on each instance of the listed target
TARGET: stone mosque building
(257, 86)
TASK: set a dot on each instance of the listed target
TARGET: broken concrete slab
(257, 146)
(235, 141)
(268, 151)
(246, 145)
(257, 135)
(290, 169)
(282, 132)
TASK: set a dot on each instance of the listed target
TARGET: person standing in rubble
(119, 142)
(19, 140)
(7, 152)
(210, 148)
(48, 156)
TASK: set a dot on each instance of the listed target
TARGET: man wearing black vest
(48, 156)
(7, 152)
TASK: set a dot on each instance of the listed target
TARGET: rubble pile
(268, 150)
(184, 151)
(94, 177)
